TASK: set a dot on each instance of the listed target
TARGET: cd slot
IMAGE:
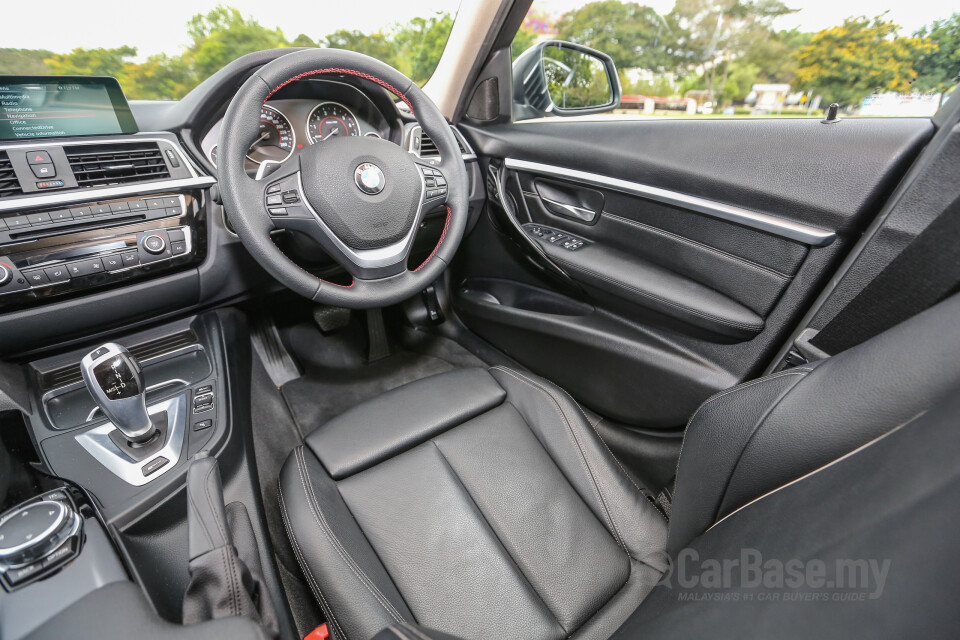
(32, 234)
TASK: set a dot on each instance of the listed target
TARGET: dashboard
(319, 111)
(109, 212)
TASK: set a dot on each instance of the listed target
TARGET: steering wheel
(361, 198)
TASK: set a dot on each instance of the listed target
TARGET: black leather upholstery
(478, 503)
(753, 438)
(485, 504)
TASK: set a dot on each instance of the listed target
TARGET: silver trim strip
(98, 444)
(812, 236)
(411, 136)
(107, 193)
(29, 201)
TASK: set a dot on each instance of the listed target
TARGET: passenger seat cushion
(478, 503)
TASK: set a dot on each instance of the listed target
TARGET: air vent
(9, 185)
(99, 165)
(429, 150)
(168, 344)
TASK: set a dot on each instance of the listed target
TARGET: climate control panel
(47, 254)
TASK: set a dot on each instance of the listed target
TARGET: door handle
(562, 208)
(570, 200)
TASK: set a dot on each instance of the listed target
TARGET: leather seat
(483, 503)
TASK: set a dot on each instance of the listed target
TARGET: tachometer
(330, 119)
(276, 139)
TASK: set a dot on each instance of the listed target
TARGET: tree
(303, 40)
(523, 40)
(24, 62)
(376, 45)
(938, 70)
(91, 62)
(632, 34)
(223, 35)
(161, 77)
(861, 56)
(418, 45)
(714, 32)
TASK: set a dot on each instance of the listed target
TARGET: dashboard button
(44, 170)
(38, 157)
(154, 244)
(79, 212)
(57, 274)
(16, 576)
(175, 235)
(61, 215)
(99, 209)
(117, 207)
(85, 267)
(113, 262)
(155, 203)
(36, 278)
(178, 248)
(17, 222)
(172, 201)
(130, 258)
(39, 218)
(174, 211)
(137, 205)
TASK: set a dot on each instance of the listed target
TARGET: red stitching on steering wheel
(386, 85)
(439, 242)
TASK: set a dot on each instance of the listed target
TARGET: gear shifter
(115, 381)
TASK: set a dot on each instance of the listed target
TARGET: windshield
(162, 50)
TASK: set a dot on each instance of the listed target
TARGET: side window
(734, 58)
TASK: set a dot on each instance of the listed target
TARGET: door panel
(645, 265)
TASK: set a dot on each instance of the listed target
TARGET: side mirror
(563, 79)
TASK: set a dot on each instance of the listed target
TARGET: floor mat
(336, 375)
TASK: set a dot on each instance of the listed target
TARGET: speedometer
(276, 140)
(330, 119)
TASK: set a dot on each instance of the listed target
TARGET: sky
(156, 26)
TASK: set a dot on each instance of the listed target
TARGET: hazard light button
(38, 157)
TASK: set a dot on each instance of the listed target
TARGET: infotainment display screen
(54, 106)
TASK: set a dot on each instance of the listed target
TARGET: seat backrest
(864, 547)
(755, 437)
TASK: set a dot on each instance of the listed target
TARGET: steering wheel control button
(154, 244)
(274, 188)
(278, 211)
(369, 178)
(274, 200)
(290, 197)
(202, 424)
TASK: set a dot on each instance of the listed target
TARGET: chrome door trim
(806, 234)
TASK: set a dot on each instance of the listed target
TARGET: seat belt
(925, 272)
